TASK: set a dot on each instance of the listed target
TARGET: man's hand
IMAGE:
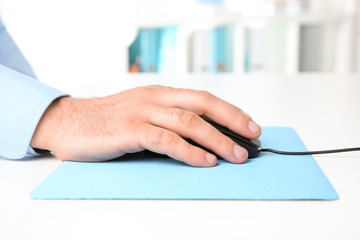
(153, 117)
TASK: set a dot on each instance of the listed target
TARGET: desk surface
(324, 110)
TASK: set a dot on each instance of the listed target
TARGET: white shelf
(345, 59)
(222, 19)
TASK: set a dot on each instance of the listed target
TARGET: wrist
(48, 131)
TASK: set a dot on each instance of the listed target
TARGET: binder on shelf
(134, 55)
(149, 49)
(328, 47)
(211, 51)
(317, 48)
(221, 50)
(166, 60)
(254, 58)
(153, 50)
(275, 47)
(200, 51)
(247, 42)
(264, 48)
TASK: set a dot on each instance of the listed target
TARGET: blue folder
(137, 176)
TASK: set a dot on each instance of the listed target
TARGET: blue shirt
(23, 100)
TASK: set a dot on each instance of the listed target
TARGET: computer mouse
(253, 146)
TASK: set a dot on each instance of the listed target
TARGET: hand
(152, 117)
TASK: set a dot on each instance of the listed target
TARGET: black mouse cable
(310, 152)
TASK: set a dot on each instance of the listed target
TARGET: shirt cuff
(36, 152)
(23, 100)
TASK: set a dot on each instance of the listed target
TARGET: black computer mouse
(253, 146)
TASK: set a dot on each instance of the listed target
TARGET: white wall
(72, 40)
(86, 40)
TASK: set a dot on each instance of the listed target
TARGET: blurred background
(91, 41)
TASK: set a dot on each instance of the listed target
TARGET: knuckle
(222, 142)
(160, 137)
(190, 152)
(170, 139)
(157, 88)
(149, 90)
(188, 119)
(154, 86)
(205, 95)
(154, 137)
(173, 113)
(238, 114)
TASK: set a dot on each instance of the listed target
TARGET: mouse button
(256, 142)
(244, 143)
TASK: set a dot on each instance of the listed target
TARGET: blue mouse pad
(137, 176)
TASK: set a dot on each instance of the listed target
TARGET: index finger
(204, 103)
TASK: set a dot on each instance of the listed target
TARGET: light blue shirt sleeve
(23, 100)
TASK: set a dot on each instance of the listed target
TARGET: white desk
(325, 111)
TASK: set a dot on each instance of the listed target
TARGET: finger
(204, 103)
(190, 125)
(163, 141)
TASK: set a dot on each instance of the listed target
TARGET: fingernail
(211, 159)
(239, 152)
(253, 127)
